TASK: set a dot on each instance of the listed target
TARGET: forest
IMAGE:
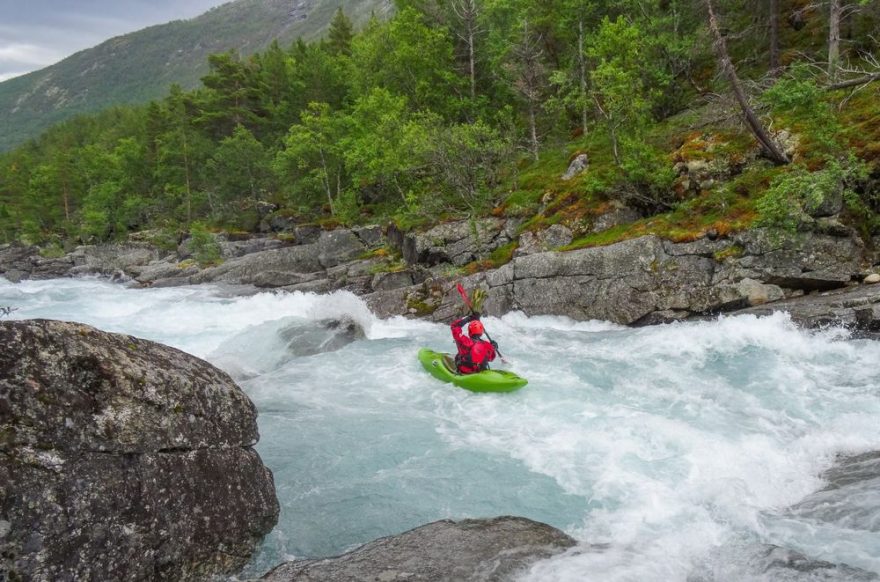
(465, 108)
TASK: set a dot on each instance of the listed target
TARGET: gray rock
(370, 236)
(385, 281)
(856, 307)
(758, 293)
(238, 248)
(251, 268)
(548, 239)
(108, 258)
(338, 246)
(18, 260)
(458, 242)
(488, 550)
(165, 269)
(306, 234)
(831, 205)
(577, 166)
(122, 459)
(755, 561)
(619, 215)
(276, 223)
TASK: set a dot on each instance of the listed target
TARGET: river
(673, 452)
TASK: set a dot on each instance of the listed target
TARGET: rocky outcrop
(640, 281)
(855, 307)
(489, 550)
(548, 239)
(578, 166)
(121, 459)
(457, 243)
(649, 280)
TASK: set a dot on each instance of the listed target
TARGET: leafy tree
(311, 161)
(240, 172)
(620, 90)
(411, 59)
(375, 150)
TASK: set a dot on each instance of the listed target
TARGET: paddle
(467, 301)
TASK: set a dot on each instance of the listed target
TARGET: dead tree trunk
(774, 35)
(582, 69)
(467, 12)
(770, 148)
(833, 39)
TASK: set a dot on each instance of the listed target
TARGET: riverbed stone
(122, 459)
(489, 550)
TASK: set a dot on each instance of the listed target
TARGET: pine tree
(340, 34)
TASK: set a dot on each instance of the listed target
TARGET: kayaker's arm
(458, 335)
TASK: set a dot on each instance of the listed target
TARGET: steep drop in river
(676, 452)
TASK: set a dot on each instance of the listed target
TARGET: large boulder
(489, 550)
(110, 258)
(122, 459)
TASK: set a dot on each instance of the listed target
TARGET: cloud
(37, 33)
(28, 54)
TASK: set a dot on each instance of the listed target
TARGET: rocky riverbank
(640, 281)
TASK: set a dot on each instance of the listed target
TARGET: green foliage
(424, 117)
(793, 195)
(205, 248)
(797, 98)
(239, 174)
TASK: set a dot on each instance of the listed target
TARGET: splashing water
(672, 452)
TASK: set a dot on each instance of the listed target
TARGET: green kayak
(442, 367)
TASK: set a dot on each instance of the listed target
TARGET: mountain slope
(140, 66)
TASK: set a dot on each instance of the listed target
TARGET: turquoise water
(675, 448)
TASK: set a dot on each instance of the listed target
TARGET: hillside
(140, 66)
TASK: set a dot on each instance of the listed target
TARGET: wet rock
(328, 335)
(122, 459)
(489, 550)
(855, 307)
(16, 261)
(872, 279)
(754, 561)
(757, 293)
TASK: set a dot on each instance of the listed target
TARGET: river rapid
(674, 453)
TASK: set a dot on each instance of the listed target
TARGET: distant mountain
(138, 67)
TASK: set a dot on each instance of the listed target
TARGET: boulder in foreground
(123, 459)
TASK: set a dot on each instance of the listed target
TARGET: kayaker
(474, 353)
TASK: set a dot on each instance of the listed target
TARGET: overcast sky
(37, 33)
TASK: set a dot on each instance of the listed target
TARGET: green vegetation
(469, 108)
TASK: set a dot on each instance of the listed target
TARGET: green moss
(52, 251)
(734, 251)
(422, 308)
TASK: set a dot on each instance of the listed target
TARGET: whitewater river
(674, 451)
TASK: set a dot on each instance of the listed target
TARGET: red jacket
(474, 354)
